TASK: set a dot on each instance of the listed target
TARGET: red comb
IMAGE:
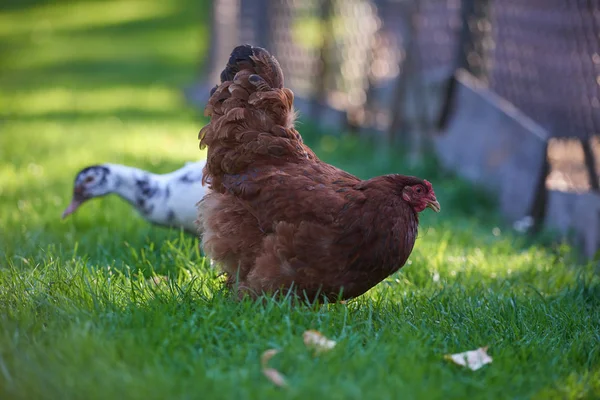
(429, 186)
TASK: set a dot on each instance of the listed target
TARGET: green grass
(86, 82)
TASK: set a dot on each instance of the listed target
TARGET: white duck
(167, 199)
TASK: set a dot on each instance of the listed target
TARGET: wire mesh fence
(376, 61)
(545, 59)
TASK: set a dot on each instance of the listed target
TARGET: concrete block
(576, 214)
(491, 143)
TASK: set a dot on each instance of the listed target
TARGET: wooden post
(468, 9)
(420, 134)
(224, 36)
(322, 70)
(537, 211)
(263, 23)
(590, 164)
(401, 87)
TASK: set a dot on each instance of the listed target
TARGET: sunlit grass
(84, 83)
(59, 49)
(57, 42)
(149, 99)
(45, 19)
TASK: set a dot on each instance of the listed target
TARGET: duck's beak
(73, 206)
(434, 205)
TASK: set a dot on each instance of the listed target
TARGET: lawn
(88, 82)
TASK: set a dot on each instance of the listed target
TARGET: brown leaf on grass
(271, 373)
(473, 359)
(266, 356)
(157, 279)
(275, 376)
(317, 341)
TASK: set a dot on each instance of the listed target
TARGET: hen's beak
(434, 205)
(75, 203)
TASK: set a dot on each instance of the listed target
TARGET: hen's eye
(88, 179)
(419, 190)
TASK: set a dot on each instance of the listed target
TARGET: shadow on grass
(124, 115)
(86, 74)
(142, 51)
(13, 5)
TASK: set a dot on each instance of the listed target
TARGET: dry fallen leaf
(317, 341)
(473, 359)
(271, 373)
(157, 279)
(266, 356)
(274, 376)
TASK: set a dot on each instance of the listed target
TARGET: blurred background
(504, 93)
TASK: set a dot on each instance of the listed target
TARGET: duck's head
(90, 182)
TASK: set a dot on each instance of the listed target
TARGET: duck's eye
(88, 179)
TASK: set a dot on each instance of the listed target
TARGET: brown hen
(278, 217)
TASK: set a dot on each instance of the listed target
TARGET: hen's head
(419, 194)
(90, 182)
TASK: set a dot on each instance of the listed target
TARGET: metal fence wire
(369, 58)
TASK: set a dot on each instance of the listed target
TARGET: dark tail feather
(255, 59)
(241, 58)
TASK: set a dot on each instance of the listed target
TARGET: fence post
(322, 69)
(420, 135)
(537, 211)
(263, 23)
(465, 45)
(224, 36)
(590, 164)
(400, 88)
